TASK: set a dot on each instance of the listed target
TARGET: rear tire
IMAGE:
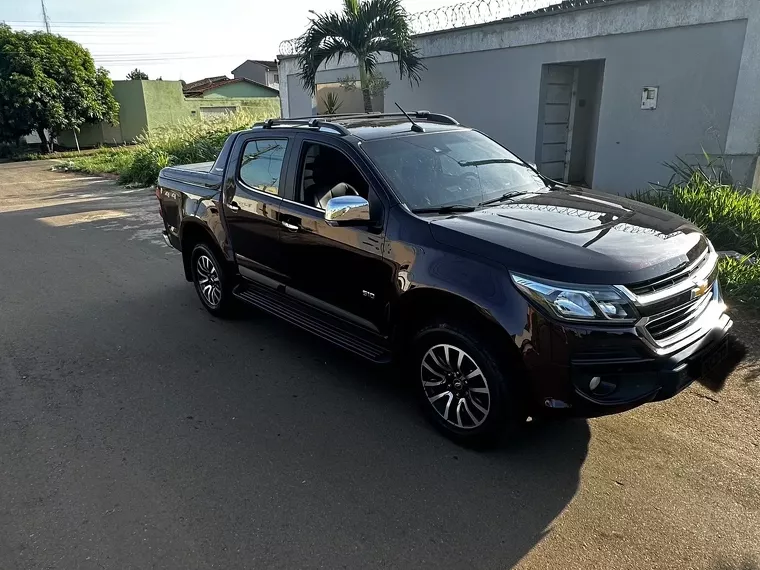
(212, 281)
(463, 386)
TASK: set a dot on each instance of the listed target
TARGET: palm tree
(364, 29)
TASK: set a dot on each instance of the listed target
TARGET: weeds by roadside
(741, 280)
(102, 161)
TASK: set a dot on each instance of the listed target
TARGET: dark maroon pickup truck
(500, 293)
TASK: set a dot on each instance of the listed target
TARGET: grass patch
(740, 279)
(102, 161)
(729, 216)
(183, 143)
(65, 154)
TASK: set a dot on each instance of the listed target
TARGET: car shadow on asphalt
(254, 429)
(245, 442)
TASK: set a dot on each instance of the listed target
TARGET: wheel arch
(422, 305)
(192, 233)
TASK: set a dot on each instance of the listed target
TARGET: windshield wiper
(547, 181)
(445, 209)
(505, 196)
(491, 161)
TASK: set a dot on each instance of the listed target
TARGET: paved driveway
(136, 431)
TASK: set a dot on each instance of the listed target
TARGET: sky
(176, 39)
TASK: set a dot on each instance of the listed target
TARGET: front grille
(696, 258)
(668, 324)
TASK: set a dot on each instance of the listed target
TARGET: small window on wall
(261, 164)
(276, 78)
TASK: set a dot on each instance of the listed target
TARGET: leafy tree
(364, 29)
(136, 74)
(49, 83)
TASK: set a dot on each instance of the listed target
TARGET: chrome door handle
(290, 227)
(233, 206)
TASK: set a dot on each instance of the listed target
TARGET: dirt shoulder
(670, 485)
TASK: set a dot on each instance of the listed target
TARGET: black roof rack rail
(433, 117)
(436, 117)
(311, 122)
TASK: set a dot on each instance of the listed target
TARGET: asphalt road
(136, 431)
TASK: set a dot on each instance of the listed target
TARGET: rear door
(255, 181)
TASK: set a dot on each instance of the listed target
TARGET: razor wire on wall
(470, 14)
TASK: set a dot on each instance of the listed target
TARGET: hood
(576, 236)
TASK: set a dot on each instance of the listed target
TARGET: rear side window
(261, 164)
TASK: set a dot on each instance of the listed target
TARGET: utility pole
(45, 17)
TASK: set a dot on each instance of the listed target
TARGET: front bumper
(626, 370)
(628, 384)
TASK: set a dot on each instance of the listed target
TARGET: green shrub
(144, 167)
(740, 279)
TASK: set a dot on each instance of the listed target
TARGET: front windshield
(454, 168)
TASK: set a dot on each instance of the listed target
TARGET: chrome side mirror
(346, 210)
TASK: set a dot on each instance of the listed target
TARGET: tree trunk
(45, 144)
(364, 81)
(367, 100)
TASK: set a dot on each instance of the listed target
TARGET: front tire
(211, 280)
(463, 387)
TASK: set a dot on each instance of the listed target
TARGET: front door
(253, 194)
(338, 269)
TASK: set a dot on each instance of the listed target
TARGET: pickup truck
(499, 292)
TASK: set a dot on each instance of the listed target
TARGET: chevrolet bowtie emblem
(701, 287)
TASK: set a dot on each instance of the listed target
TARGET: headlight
(578, 303)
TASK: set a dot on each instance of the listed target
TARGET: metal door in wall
(561, 86)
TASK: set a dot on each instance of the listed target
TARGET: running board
(333, 329)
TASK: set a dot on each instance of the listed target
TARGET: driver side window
(327, 173)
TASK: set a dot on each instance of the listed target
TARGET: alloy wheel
(209, 283)
(455, 386)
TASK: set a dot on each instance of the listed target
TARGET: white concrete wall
(696, 51)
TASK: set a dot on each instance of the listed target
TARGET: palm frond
(327, 37)
(351, 6)
(405, 55)
(364, 29)
(387, 30)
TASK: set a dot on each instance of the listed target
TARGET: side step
(338, 331)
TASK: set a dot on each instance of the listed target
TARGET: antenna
(45, 17)
(415, 127)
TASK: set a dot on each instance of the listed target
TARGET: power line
(91, 23)
(45, 17)
(93, 31)
(129, 60)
